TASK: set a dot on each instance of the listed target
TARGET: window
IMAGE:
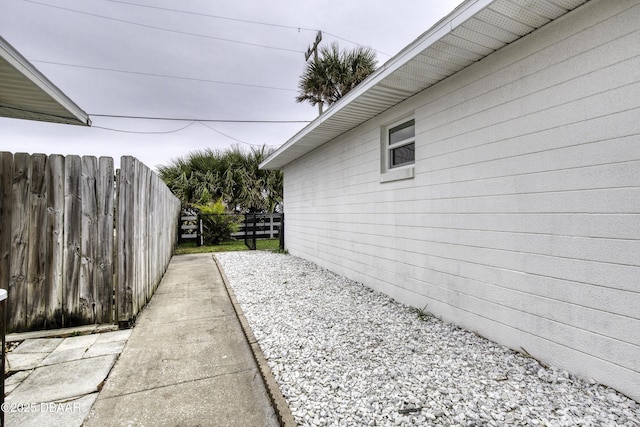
(401, 147)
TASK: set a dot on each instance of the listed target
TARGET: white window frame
(396, 172)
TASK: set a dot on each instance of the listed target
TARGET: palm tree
(205, 176)
(334, 74)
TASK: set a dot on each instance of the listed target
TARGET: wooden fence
(260, 226)
(253, 226)
(74, 238)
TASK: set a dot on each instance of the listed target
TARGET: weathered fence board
(104, 254)
(64, 239)
(17, 290)
(55, 242)
(6, 191)
(88, 241)
(263, 225)
(72, 238)
(36, 284)
(125, 239)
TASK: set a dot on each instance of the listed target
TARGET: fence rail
(250, 227)
(73, 235)
(260, 226)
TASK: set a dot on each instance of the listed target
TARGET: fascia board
(23, 66)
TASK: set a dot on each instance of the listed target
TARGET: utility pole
(314, 49)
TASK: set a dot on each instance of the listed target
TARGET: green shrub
(217, 224)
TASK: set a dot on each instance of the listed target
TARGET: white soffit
(25, 93)
(474, 30)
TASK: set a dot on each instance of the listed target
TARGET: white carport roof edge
(26, 78)
(512, 17)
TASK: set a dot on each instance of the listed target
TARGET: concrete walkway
(187, 361)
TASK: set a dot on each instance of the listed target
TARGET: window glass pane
(401, 132)
(402, 155)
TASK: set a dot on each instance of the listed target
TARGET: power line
(165, 29)
(247, 21)
(181, 129)
(115, 116)
(214, 16)
(162, 75)
(351, 41)
(205, 15)
(231, 137)
(243, 20)
(145, 132)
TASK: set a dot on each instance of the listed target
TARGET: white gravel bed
(345, 355)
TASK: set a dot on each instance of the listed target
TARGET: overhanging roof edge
(321, 131)
(22, 65)
(458, 16)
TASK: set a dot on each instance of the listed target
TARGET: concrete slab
(82, 341)
(102, 349)
(179, 352)
(122, 335)
(51, 414)
(38, 345)
(223, 401)
(61, 356)
(62, 381)
(10, 383)
(61, 333)
(22, 361)
(178, 306)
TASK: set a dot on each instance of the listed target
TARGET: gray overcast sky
(147, 39)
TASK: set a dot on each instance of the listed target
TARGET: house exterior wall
(522, 220)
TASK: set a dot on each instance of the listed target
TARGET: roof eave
(330, 123)
(59, 108)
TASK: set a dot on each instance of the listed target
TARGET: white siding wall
(523, 220)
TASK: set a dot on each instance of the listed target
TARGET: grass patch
(422, 313)
(237, 245)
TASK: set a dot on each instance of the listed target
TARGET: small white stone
(345, 355)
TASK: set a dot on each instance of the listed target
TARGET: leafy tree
(234, 176)
(334, 74)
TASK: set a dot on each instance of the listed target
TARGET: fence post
(270, 216)
(281, 233)
(255, 223)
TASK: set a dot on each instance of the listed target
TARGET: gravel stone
(345, 355)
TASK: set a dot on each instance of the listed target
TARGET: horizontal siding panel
(596, 107)
(599, 177)
(556, 85)
(591, 135)
(490, 144)
(614, 276)
(451, 286)
(597, 201)
(615, 251)
(614, 226)
(456, 286)
(554, 48)
(587, 201)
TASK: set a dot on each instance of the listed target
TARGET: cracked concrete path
(187, 362)
(55, 381)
